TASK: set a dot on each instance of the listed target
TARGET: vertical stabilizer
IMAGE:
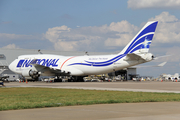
(141, 42)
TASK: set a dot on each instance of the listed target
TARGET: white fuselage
(76, 65)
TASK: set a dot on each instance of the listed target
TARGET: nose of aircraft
(12, 66)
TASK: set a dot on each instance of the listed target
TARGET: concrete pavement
(124, 111)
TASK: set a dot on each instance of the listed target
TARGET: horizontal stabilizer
(133, 56)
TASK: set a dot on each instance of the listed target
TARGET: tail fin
(141, 42)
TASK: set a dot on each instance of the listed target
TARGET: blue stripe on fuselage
(100, 64)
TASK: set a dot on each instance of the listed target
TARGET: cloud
(168, 30)
(165, 17)
(91, 38)
(53, 34)
(141, 4)
(124, 30)
(11, 46)
(6, 36)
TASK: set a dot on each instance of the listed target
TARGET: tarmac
(145, 86)
(122, 111)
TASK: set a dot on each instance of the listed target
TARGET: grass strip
(24, 98)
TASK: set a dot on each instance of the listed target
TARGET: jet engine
(31, 74)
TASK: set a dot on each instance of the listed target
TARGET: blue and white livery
(136, 52)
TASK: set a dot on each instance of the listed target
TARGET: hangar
(8, 55)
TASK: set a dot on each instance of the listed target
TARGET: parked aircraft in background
(136, 52)
(170, 77)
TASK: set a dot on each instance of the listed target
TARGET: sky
(93, 26)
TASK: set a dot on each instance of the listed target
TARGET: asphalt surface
(145, 86)
(123, 111)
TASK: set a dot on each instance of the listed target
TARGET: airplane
(76, 67)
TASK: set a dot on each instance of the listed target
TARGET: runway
(123, 111)
(146, 86)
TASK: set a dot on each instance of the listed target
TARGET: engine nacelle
(29, 73)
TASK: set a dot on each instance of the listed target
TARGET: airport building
(8, 55)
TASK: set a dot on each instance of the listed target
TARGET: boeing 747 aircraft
(136, 52)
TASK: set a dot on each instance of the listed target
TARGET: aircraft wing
(49, 70)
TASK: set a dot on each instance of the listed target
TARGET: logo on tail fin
(145, 45)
